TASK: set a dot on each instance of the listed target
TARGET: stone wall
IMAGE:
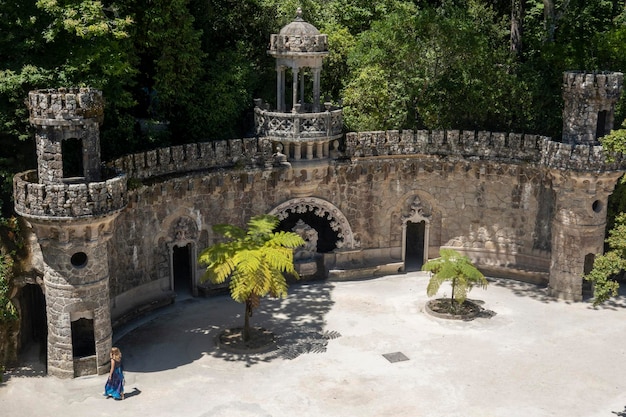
(492, 211)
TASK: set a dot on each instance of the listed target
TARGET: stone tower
(582, 186)
(71, 205)
(306, 131)
(589, 105)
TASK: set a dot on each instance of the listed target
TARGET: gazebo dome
(297, 40)
(299, 27)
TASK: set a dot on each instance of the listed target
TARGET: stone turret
(306, 131)
(71, 205)
(589, 105)
(582, 188)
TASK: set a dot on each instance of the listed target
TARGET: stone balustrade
(60, 106)
(68, 200)
(299, 127)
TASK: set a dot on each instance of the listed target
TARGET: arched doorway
(415, 236)
(588, 266)
(183, 270)
(34, 333)
(414, 244)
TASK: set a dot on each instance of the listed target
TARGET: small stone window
(79, 259)
(597, 206)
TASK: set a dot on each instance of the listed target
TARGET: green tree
(255, 260)
(458, 270)
(610, 265)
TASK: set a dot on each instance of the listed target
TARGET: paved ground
(528, 356)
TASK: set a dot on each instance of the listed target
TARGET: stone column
(316, 89)
(297, 151)
(295, 72)
(280, 88)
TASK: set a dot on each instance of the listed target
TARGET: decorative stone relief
(324, 209)
(183, 229)
(416, 212)
(310, 237)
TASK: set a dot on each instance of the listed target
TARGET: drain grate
(395, 357)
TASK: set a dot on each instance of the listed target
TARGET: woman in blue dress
(115, 384)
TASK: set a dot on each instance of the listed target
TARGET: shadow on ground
(187, 332)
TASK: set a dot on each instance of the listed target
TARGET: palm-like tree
(255, 260)
(456, 268)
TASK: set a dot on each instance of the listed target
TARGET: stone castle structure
(114, 242)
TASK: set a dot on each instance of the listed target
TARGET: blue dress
(115, 384)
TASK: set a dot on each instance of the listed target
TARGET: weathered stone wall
(492, 211)
(585, 96)
(490, 195)
(62, 200)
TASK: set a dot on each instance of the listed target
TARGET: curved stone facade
(522, 206)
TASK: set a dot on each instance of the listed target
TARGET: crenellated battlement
(501, 147)
(246, 152)
(60, 106)
(587, 85)
(68, 200)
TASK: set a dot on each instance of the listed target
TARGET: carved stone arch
(321, 208)
(179, 231)
(415, 209)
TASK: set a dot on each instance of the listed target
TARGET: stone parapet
(191, 157)
(66, 200)
(65, 106)
(502, 147)
(471, 145)
(591, 85)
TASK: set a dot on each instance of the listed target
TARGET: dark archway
(414, 255)
(327, 237)
(83, 338)
(72, 154)
(181, 267)
(587, 287)
(34, 328)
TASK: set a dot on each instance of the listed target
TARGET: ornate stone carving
(183, 229)
(310, 236)
(324, 209)
(416, 212)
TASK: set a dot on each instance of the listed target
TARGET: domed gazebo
(305, 131)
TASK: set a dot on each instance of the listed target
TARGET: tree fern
(456, 268)
(254, 260)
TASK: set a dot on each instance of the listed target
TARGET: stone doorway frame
(416, 215)
(193, 264)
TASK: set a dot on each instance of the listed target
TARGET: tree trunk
(517, 17)
(245, 334)
(549, 19)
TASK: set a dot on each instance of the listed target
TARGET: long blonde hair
(116, 354)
